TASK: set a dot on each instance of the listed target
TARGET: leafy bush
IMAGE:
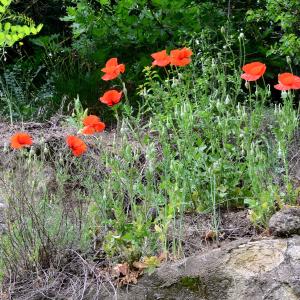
(11, 33)
(106, 28)
(22, 97)
(274, 26)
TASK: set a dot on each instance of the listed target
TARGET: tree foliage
(14, 27)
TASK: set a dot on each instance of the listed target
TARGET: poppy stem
(118, 119)
(125, 92)
(250, 95)
(256, 91)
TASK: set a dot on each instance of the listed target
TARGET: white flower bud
(31, 152)
(227, 99)
(5, 147)
(46, 149)
(284, 95)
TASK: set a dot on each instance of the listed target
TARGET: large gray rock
(255, 270)
(285, 222)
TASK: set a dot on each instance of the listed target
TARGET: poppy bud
(279, 152)
(46, 149)
(241, 36)
(175, 82)
(213, 63)
(5, 147)
(268, 91)
(284, 95)
(31, 152)
(227, 99)
(247, 85)
(123, 129)
(222, 29)
(288, 60)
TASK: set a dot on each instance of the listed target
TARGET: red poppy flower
(288, 81)
(112, 69)
(77, 145)
(92, 124)
(20, 140)
(253, 71)
(161, 58)
(111, 97)
(180, 57)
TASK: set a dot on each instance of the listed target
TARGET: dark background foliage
(80, 35)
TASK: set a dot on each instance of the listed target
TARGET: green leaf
(104, 2)
(7, 26)
(39, 28)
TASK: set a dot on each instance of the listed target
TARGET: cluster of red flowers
(178, 57)
(112, 71)
(255, 70)
(92, 124)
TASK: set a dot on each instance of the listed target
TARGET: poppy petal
(161, 59)
(109, 76)
(20, 140)
(90, 120)
(112, 62)
(250, 77)
(99, 127)
(281, 87)
(121, 68)
(180, 57)
(88, 130)
(77, 145)
(286, 78)
(111, 97)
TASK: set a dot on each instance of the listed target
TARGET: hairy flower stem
(125, 92)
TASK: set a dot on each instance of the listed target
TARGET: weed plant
(21, 99)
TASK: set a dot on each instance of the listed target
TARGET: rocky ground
(257, 269)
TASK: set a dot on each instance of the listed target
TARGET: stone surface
(258, 257)
(245, 270)
(285, 222)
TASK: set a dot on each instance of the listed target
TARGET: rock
(244, 270)
(285, 222)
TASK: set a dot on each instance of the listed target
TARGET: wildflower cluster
(178, 58)
(255, 70)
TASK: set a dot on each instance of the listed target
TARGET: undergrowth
(201, 141)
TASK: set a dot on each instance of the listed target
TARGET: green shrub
(21, 27)
(274, 26)
(102, 29)
(23, 97)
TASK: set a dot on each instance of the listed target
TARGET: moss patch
(194, 284)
